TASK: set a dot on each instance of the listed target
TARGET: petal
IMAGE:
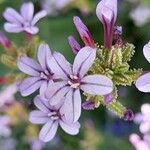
(72, 129)
(13, 28)
(143, 83)
(43, 88)
(146, 51)
(97, 85)
(72, 105)
(12, 16)
(32, 30)
(48, 131)
(29, 66)
(41, 104)
(56, 92)
(44, 53)
(107, 9)
(27, 10)
(38, 16)
(38, 117)
(29, 85)
(83, 61)
(60, 66)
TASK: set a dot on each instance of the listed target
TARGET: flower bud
(4, 41)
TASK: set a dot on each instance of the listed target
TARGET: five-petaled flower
(143, 83)
(25, 21)
(41, 74)
(74, 78)
(52, 117)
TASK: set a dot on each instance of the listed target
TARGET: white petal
(27, 10)
(38, 117)
(39, 16)
(72, 106)
(83, 61)
(13, 28)
(97, 85)
(48, 131)
(72, 128)
(146, 51)
(143, 83)
(12, 16)
(44, 53)
(32, 30)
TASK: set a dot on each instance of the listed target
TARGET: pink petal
(83, 61)
(72, 128)
(29, 85)
(56, 92)
(12, 16)
(29, 66)
(13, 28)
(44, 53)
(60, 66)
(38, 117)
(97, 85)
(39, 16)
(143, 83)
(41, 104)
(146, 51)
(48, 131)
(72, 106)
(27, 10)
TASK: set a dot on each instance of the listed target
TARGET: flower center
(46, 75)
(26, 24)
(54, 115)
(74, 81)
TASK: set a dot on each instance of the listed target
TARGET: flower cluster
(95, 73)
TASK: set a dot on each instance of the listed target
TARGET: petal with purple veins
(56, 92)
(43, 88)
(41, 104)
(60, 66)
(29, 85)
(97, 85)
(143, 83)
(38, 117)
(44, 53)
(27, 11)
(48, 131)
(72, 106)
(83, 61)
(38, 16)
(29, 66)
(72, 129)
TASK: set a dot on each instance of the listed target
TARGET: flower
(40, 73)
(84, 32)
(107, 13)
(143, 83)
(4, 126)
(25, 21)
(4, 41)
(73, 79)
(7, 95)
(51, 117)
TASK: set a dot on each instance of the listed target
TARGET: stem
(28, 37)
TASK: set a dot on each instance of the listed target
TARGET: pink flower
(4, 41)
(25, 21)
